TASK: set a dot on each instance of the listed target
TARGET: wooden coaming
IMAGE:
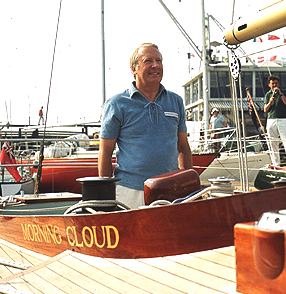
(260, 271)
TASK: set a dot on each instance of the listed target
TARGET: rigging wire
(233, 9)
(41, 157)
(261, 51)
(182, 30)
(244, 153)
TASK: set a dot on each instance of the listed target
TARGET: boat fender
(170, 186)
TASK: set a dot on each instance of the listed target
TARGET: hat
(214, 109)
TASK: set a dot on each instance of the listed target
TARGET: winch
(224, 186)
(98, 194)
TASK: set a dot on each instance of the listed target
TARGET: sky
(70, 88)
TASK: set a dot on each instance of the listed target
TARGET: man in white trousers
(275, 107)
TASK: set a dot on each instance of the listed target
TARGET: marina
(203, 228)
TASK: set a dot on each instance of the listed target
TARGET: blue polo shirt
(146, 134)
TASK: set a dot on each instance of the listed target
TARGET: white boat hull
(227, 165)
(8, 189)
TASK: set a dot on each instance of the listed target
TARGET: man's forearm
(185, 159)
(105, 166)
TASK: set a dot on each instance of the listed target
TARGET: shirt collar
(133, 91)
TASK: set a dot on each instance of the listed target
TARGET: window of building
(195, 91)
(261, 83)
(187, 95)
(219, 85)
(246, 82)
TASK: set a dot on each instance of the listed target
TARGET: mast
(103, 53)
(205, 73)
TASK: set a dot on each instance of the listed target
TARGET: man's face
(150, 67)
(273, 84)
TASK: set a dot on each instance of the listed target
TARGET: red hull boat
(60, 174)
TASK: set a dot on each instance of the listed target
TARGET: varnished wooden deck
(210, 271)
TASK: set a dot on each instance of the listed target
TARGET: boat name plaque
(106, 236)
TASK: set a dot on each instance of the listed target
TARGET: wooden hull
(60, 174)
(148, 232)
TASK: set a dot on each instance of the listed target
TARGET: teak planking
(71, 272)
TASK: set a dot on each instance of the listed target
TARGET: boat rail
(224, 139)
(24, 148)
(18, 165)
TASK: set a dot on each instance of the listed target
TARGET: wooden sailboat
(48, 225)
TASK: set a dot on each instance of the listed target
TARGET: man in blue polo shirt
(148, 124)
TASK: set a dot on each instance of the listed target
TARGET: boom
(267, 19)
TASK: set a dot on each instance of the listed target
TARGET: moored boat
(270, 176)
(60, 174)
(15, 178)
(8, 188)
(227, 165)
(50, 226)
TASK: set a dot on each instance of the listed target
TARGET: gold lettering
(36, 233)
(74, 241)
(58, 236)
(44, 233)
(25, 231)
(51, 231)
(30, 233)
(70, 236)
(96, 237)
(88, 242)
(115, 238)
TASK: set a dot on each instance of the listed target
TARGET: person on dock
(148, 124)
(275, 107)
(41, 116)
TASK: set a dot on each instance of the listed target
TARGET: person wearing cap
(217, 123)
(217, 120)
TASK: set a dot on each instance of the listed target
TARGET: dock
(23, 271)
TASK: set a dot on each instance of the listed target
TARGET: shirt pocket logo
(171, 114)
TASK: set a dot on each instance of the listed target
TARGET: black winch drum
(98, 188)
